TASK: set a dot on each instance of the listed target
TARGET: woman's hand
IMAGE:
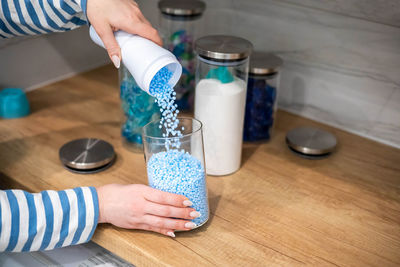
(107, 16)
(139, 206)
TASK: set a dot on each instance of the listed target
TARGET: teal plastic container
(13, 103)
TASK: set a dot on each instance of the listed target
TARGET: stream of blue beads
(175, 170)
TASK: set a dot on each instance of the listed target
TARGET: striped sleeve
(30, 17)
(47, 220)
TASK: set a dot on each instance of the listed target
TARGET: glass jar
(262, 93)
(178, 170)
(138, 108)
(180, 23)
(221, 82)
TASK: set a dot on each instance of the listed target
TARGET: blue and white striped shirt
(47, 220)
(30, 17)
(50, 219)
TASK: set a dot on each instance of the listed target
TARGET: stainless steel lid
(311, 141)
(264, 63)
(87, 155)
(223, 47)
(182, 7)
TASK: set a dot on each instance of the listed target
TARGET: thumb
(106, 34)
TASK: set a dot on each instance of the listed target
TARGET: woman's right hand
(139, 206)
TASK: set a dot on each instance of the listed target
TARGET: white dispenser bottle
(143, 58)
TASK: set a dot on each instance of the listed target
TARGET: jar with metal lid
(180, 23)
(220, 97)
(262, 92)
(138, 109)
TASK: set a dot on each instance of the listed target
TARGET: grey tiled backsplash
(342, 58)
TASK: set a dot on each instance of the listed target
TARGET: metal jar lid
(264, 63)
(87, 155)
(223, 47)
(310, 141)
(182, 7)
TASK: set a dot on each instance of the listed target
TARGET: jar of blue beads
(175, 163)
(180, 24)
(138, 108)
(261, 100)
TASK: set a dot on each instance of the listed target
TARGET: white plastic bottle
(143, 58)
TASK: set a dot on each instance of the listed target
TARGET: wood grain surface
(278, 209)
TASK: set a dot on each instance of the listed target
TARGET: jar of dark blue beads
(180, 23)
(138, 108)
(262, 92)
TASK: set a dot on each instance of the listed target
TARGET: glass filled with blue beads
(175, 162)
(138, 109)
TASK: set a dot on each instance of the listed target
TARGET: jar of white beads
(220, 98)
(175, 162)
(180, 23)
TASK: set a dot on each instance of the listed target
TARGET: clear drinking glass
(181, 169)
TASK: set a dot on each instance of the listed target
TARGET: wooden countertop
(278, 209)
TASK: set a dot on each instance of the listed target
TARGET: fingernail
(116, 61)
(171, 234)
(187, 203)
(195, 214)
(190, 225)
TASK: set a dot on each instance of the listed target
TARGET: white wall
(30, 62)
(342, 57)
